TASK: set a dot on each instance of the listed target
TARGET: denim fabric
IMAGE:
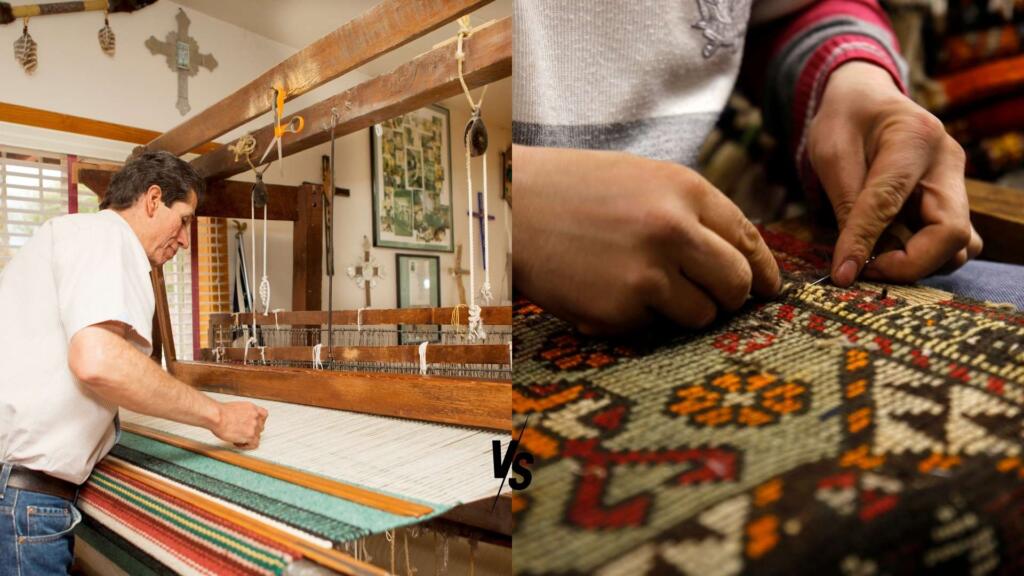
(35, 531)
(983, 280)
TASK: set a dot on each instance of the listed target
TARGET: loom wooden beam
(308, 248)
(163, 315)
(436, 354)
(491, 315)
(997, 213)
(386, 26)
(459, 401)
(223, 198)
(424, 80)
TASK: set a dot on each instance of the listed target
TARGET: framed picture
(419, 286)
(412, 190)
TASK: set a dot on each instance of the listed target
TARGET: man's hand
(879, 155)
(609, 241)
(240, 423)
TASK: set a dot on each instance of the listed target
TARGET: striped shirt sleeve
(814, 42)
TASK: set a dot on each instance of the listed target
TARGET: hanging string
(245, 146)
(389, 535)
(465, 31)
(250, 342)
(366, 553)
(409, 570)
(472, 557)
(485, 288)
(423, 357)
(475, 329)
(359, 319)
(265, 281)
(317, 365)
(456, 325)
(444, 563)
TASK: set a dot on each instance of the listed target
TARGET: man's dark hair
(174, 176)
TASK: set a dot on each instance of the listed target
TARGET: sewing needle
(827, 276)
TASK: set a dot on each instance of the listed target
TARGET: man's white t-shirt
(76, 271)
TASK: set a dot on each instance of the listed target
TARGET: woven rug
(146, 529)
(861, 431)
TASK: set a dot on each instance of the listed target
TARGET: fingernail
(847, 273)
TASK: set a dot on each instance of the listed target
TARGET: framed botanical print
(412, 189)
(419, 286)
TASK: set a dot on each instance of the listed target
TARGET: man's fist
(241, 424)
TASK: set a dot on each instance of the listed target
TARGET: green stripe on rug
(201, 529)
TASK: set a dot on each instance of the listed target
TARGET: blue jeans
(35, 531)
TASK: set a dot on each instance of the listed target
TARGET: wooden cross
(183, 57)
(480, 219)
(458, 272)
(367, 272)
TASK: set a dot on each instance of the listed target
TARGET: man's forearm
(120, 374)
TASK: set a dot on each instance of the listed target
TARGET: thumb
(892, 176)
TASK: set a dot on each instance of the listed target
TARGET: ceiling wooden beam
(223, 199)
(379, 30)
(430, 77)
(27, 116)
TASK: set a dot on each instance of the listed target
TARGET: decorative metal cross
(458, 272)
(367, 272)
(478, 214)
(183, 57)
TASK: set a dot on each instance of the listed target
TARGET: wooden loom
(475, 402)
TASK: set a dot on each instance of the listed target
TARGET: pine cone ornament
(25, 51)
(108, 40)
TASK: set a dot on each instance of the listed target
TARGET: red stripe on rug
(196, 554)
(207, 516)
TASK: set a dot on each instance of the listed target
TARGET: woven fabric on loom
(830, 431)
(144, 526)
(181, 536)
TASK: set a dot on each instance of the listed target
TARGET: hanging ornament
(107, 38)
(25, 50)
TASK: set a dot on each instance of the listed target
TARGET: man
(76, 311)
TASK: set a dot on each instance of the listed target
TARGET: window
(33, 189)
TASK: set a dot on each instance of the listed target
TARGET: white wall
(136, 88)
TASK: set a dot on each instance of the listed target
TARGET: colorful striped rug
(157, 508)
